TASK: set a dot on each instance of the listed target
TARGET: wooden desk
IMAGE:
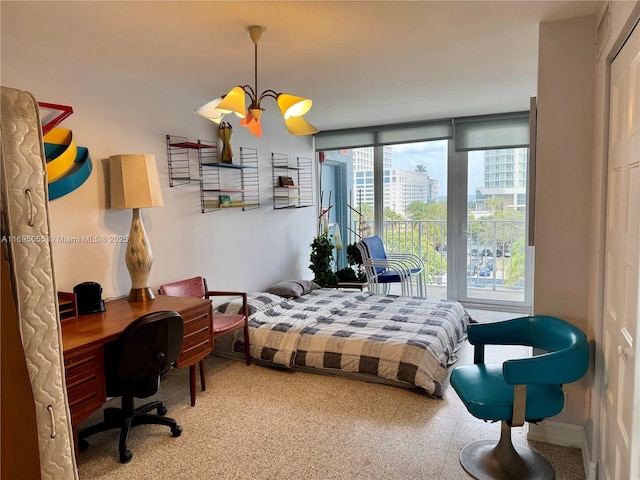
(83, 342)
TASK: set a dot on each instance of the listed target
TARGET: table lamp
(135, 184)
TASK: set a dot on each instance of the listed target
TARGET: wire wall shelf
(292, 181)
(222, 185)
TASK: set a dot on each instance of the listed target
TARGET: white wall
(115, 114)
(563, 181)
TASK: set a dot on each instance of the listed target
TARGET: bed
(404, 341)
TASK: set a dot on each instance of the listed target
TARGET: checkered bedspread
(406, 339)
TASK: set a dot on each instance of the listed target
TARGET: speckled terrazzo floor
(260, 423)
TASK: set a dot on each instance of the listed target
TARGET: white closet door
(619, 418)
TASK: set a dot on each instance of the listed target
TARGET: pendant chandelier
(292, 107)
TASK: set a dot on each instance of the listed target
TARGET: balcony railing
(495, 251)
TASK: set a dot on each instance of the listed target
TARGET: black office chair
(133, 365)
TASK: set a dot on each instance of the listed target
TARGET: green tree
(418, 211)
(421, 168)
(509, 214)
(427, 211)
(510, 229)
(514, 269)
(494, 204)
(367, 211)
(507, 227)
(422, 212)
(364, 221)
(391, 215)
(431, 221)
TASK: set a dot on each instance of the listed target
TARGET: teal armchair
(517, 391)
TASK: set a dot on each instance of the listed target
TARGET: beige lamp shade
(234, 101)
(210, 110)
(292, 106)
(134, 181)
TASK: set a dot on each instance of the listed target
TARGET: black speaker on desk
(89, 297)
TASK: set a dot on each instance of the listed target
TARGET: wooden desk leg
(192, 384)
(202, 380)
(192, 381)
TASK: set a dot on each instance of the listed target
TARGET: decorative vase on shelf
(225, 131)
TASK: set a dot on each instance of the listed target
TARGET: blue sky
(433, 155)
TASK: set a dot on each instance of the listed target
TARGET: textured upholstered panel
(191, 287)
(25, 226)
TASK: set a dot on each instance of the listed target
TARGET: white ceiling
(362, 63)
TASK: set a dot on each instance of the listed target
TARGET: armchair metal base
(485, 460)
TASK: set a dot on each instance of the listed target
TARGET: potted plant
(321, 261)
(354, 272)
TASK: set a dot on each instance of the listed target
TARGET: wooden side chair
(223, 324)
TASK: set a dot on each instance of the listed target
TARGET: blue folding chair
(383, 269)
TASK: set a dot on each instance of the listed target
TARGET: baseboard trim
(557, 433)
(566, 435)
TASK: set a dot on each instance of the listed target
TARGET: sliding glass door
(491, 221)
(454, 194)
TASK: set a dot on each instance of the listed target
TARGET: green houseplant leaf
(321, 260)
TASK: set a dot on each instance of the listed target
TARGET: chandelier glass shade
(291, 106)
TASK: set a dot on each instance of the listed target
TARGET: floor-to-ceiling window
(458, 203)
(497, 257)
(415, 206)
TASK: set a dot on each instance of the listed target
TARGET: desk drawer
(197, 324)
(82, 361)
(84, 376)
(197, 342)
(85, 397)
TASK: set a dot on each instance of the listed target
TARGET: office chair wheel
(162, 410)
(125, 456)
(176, 431)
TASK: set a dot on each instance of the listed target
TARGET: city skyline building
(401, 186)
(504, 177)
